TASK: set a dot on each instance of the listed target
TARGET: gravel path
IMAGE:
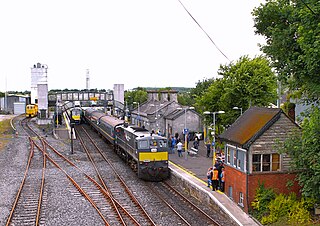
(61, 205)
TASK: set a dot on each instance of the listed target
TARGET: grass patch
(5, 133)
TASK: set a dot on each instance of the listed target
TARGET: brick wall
(237, 180)
(277, 181)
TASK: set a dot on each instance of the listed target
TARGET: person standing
(219, 168)
(196, 143)
(215, 179)
(209, 176)
(173, 143)
(223, 174)
(208, 145)
(179, 149)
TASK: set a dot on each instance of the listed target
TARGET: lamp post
(138, 117)
(185, 131)
(237, 108)
(72, 128)
(156, 115)
(214, 131)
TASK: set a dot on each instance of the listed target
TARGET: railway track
(27, 205)
(128, 205)
(181, 206)
(110, 190)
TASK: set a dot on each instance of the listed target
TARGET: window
(230, 192)
(241, 199)
(275, 162)
(153, 143)
(232, 157)
(265, 162)
(256, 162)
(162, 143)
(228, 155)
(236, 157)
(143, 144)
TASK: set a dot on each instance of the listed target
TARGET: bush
(270, 208)
(261, 201)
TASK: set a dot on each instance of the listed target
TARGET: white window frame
(271, 162)
(235, 163)
(241, 199)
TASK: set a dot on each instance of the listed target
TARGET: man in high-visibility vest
(215, 179)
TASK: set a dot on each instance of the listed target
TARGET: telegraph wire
(203, 31)
(309, 8)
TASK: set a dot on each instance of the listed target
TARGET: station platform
(194, 170)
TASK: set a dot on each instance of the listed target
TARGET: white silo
(38, 72)
(43, 98)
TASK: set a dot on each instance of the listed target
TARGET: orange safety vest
(222, 176)
(215, 175)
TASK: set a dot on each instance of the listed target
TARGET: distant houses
(162, 112)
(251, 157)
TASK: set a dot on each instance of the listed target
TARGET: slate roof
(250, 125)
(150, 107)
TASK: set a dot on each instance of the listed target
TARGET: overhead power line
(203, 31)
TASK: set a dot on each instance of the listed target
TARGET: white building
(38, 73)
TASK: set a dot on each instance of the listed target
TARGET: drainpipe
(247, 179)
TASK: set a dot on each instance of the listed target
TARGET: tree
(292, 33)
(304, 148)
(138, 95)
(244, 83)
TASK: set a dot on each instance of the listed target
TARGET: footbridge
(86, 98)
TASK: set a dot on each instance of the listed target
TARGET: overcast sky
(131, 42)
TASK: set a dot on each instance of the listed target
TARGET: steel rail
(105, 192)
(42, 183)
(104, 185)
(133, 198)
(38, 211)
(22, 183)
(190, 203)
(78, 187)
(43, 171)
(172, 208)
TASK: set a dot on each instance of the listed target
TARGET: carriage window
(162, 143)
(143, 144)
(153, 143)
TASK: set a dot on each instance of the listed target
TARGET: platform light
(214, 131)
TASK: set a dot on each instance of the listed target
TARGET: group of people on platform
(216, 176)
(175, 143)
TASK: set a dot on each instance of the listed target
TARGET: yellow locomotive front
(153, 158)
(31, 110)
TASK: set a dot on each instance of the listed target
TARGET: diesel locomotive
(146, 153)
(76, 114)
(31, 110)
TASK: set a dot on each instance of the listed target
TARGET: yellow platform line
(188, 172)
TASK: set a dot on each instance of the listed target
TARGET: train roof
(140, 132)
(111, 120)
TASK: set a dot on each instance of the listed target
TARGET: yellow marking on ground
(189, 172)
